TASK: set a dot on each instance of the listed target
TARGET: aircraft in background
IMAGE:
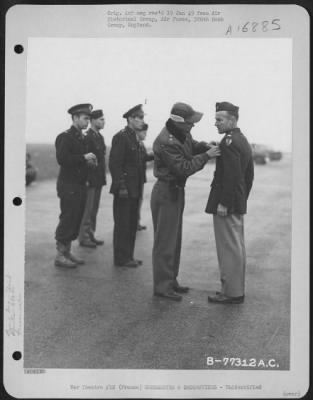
(262, 154)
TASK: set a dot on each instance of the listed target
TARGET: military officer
(74, 159)
(176, 157)
(96, 180)
(125, 168)
(144, 158)
(227, 202)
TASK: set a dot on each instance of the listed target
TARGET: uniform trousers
(89, 221)
(231, 253)
(167, 215)
(125, 214)
(72, 204)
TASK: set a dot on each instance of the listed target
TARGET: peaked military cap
(181, 112)
(81, 109)
(225, 106)
(134, 112)
(96, 114)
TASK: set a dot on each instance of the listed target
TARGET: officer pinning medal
(177, 156)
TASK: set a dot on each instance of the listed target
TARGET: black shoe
(222, 299)
(88, 243)
(141, 227)
(128, 264)
(139, 262)
(181, 289)
(97, 242)
(170, 296)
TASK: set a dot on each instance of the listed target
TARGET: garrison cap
(96, 114)
(80, 109)
(225, 106)
(136, 111)
(182, 112)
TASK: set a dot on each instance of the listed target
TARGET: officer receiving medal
(227, 202)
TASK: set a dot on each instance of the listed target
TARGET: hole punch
(18, 49)
(17, 201)
(17, 355)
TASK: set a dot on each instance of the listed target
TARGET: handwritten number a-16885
(263, 26)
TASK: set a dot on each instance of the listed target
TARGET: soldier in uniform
(125, 168)
(144, 158)
(176, 157)
(74, 159)
(227, 202)
(96, 180)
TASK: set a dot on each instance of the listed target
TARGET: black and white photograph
(163, 252)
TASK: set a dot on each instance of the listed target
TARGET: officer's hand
(209, 144)
(214, 151)
(123, 193)
(221, 210)
(90, 156)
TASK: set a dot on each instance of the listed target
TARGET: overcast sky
(116, 74)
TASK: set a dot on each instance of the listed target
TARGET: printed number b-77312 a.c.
(241, 362)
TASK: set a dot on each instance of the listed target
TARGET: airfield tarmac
(101, 316)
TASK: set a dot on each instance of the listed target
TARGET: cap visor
(196, 117)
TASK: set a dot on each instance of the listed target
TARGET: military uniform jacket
(96, 145)
(233, 175)
(177, 155)
(125, 164)
(71, 146)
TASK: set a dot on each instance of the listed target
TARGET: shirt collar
(235, 130)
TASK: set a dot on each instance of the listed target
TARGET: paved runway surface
(100, 316)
